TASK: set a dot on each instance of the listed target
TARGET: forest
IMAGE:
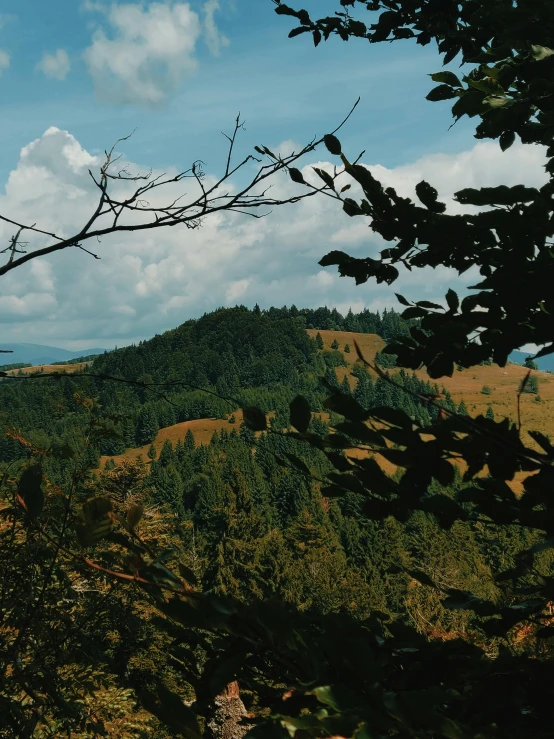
(350, 560)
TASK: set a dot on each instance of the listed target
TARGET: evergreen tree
(334, 344)
(152, 452)
(529, 386)
(462, 409)
(190, 443)
(489, 413)
(147, 426)
(319, 341)
(530, 363)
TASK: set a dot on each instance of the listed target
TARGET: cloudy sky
(76, 76)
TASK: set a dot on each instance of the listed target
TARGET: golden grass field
(466, 385)
(50, 368)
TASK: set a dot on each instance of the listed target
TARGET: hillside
(466, 385)
(49, 368)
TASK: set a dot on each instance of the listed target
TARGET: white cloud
(151, 52)
(4, 60)
(149, 281)
(214, 39)
(55, 65)
(236, 290)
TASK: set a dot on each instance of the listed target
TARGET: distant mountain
(39, 354)
(544, 363)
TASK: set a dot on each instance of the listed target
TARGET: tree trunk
(226, 713)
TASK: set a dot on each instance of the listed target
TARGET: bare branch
(248, 200)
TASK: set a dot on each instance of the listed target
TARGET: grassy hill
(466, 385)
(50, 368)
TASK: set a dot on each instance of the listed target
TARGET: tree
(530, 364)
(510, 44)
(319, 341)
(203, 202)
(347, 349)
(489, 413)
(529, 385)
(334, 344)
(152, 452)
(147, 426)
(485, 390)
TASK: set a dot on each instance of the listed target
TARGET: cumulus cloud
(4, 60)
(151, 50)
(214, 38)
(55, 65)
(152, 280)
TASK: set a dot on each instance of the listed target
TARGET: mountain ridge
(37, 354)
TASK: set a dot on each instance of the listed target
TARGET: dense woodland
(282, 559)
(242, 520)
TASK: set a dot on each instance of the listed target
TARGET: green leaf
(187, 574)
(298, 31)
(325, 176)
(541, 52)
(334, 257)
(507, 138)
(134, 514)
(392, 416)
(488, 85)
(452, 300)
(300, 413)
(296, 176)
(441, 92)
(448, 78)
(401, 299)
(470, 104)
(254, 418)
(333, 144)
(30, 490)
(428, 304)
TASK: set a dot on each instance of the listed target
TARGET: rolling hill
(466, 385)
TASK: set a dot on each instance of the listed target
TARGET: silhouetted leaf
(300, 413)
(332, 143)
(254, 418)
(30, 491)
(134, 514)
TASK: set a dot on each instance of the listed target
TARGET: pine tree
(166, 455)
(152, 452)
(319, 341)
(345, 385)
(489, 413)
(335, 344)
(462, 409)
(347, 348)
(147, 426)
(190, 443)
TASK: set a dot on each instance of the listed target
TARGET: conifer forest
(303, 522)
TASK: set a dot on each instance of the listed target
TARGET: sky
(77, 76)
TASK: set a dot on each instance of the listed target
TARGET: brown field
(50, 368)
(203, 430)
(466, 385)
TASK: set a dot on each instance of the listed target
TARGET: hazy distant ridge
(40, 354)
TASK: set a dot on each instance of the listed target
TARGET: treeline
(388, 324)
(240, 356)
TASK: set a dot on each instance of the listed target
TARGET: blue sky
(96, 71)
